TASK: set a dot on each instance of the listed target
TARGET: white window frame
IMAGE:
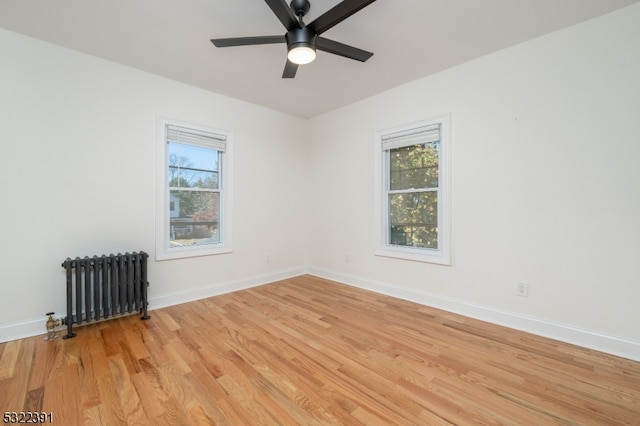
(163, 250)
(441, 255)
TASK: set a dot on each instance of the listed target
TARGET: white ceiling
(410, 39)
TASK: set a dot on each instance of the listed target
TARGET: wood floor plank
(111, 410)
(93, 415)
(151, 402)
(9, 358)
(308, 351)
(89, 391)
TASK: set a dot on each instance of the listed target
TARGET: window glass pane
(413, 219)
(194, 218)
(414, 166)
(193, 166)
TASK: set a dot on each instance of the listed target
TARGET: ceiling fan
(303, 39)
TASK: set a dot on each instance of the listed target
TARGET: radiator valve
(51, 326)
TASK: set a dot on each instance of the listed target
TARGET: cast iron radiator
(105, 287)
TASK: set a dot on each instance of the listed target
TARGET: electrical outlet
(347, 257)
(522, 289)
(268, 258)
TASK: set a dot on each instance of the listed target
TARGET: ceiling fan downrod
(300, 8)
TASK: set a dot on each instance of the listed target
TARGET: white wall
(546, 136)
(546, 144)
(78, 174)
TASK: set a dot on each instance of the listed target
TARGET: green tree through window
(413, 196)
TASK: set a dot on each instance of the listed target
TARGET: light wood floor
(308, 351)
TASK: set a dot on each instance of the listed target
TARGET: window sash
(403, 176)
(207, 173)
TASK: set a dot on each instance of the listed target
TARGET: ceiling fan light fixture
(301, 54)
(301, 47)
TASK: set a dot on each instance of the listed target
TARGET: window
(413, 192)
(194, 191)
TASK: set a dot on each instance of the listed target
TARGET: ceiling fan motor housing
(299, 37)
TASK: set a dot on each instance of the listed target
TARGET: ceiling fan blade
(284, 13)
(342, 49)
(290, 70)
(337, 14)
(247, 41)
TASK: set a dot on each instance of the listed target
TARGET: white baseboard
(30, 328)
(625, 348)
(170, 299)
(20, 330)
